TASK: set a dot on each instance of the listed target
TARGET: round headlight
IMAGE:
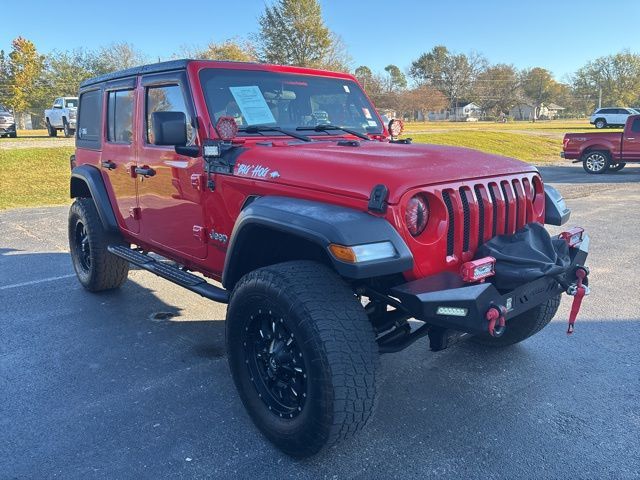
(417, 215)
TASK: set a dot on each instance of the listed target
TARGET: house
(461, 112)
(526, 111)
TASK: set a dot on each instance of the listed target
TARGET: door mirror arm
(192, 151)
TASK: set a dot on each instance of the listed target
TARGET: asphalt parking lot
(135, 384)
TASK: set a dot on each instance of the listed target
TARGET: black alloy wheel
(275, 363)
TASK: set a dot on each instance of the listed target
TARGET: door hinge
(198, 181)
(200, 233)
(135, 212)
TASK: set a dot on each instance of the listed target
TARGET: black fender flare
(321, 224)
(86, 180)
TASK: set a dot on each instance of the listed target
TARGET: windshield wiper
(324, 128)
(267, 128)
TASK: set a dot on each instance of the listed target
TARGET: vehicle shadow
(575, 174)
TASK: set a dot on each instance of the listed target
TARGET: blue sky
(559, 35)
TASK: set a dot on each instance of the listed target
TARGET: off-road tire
(523, 326)
(616, 167)
(50, 130)
(66, 129)
(596, 162)
(102, 271)
(336, 343)
(600, 123)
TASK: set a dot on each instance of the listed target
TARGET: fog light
(363, 253)
(452, 311)
(573, 237)
(478, 270)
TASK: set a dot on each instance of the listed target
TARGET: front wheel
(303, 355)
(523, 326)
(596, 162)
(601, 123)
(96, 268)
(51, 131)
(66, 129)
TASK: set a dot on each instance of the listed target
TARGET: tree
(496, 89)
(4, 78)
(423, 99)
(453, 74)
(25, 68)
(539, 87)
(66, 70)
(617, 75)
(232, 49)
(292, 32)
(117, 56)
(395, 79)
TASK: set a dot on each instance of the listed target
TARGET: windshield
(72, 103)
(288, 101)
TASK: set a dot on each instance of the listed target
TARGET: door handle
(631, 138)
(108, 164)
(144, 171)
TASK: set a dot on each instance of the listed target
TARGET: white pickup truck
(62, 116)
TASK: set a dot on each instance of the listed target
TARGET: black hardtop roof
(150, 68)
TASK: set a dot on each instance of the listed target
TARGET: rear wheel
(616, 167)
(96, 268)
(596, 162)
(600, 123)
(303, 355)
(13, 134)
(523, 326)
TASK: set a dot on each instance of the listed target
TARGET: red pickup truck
(600, 152)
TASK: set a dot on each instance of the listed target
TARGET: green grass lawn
(529, 148)
(539, 142)
(32, 177)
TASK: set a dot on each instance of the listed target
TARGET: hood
(354, 170)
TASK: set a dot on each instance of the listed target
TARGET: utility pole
(600, 97)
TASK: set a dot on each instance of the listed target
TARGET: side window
(165, 98)
(58, 102)
(120, 116)
(608, 111)
(635, 126)
(622, 111)
(90, 117)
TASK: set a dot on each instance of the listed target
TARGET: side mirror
(169, 128)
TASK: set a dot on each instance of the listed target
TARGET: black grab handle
(145, 171)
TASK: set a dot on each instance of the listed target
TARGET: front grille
(485, 210)
(452, 223)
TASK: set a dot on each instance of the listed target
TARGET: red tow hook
(496, 316)
(578, 292)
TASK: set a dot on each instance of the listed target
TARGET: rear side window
(166, 98)
(120, 116)
(90, 119)
(635, 126)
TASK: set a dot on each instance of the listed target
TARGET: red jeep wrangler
(331, 240)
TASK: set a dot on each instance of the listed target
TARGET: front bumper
(7, 128)
(425, 296)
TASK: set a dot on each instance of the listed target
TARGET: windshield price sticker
(252, 104)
